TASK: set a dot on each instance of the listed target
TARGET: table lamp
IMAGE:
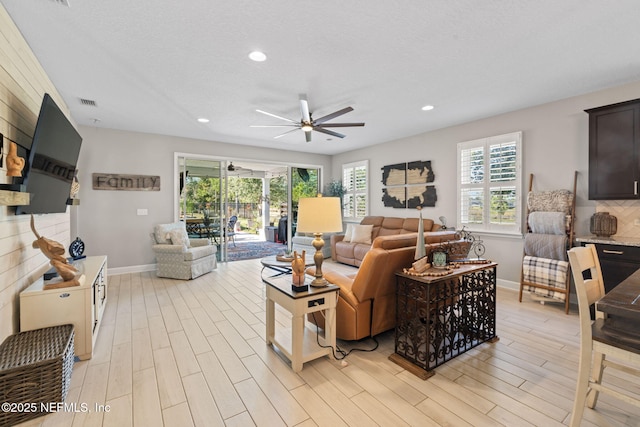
(319, 215)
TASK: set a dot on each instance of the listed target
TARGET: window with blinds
(490, 183)
(355, 203)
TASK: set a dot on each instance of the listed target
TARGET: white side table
(299, 343)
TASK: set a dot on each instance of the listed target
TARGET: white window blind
(355, 200)
(490, 183)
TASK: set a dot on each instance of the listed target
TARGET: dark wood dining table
(621, 306)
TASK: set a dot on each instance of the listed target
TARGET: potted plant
(335, 189)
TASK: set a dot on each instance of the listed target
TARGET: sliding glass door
(263, 197)
(283, 200)
(305, 182)
(202, 192)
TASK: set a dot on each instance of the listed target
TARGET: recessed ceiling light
(428, 108)
(203, 120)
(257, 56)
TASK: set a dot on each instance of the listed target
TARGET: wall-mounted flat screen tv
(51, 165)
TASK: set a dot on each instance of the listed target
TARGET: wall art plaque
(121, 182)
(394, 174)
(394, 197)
(405, 185)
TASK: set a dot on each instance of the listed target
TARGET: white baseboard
(508, 284)
(130, 269)
(515, 286)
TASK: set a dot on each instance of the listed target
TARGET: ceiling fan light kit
(308, 124)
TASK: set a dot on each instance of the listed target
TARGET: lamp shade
(319, 215)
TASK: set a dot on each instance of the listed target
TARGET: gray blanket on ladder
(551, 246)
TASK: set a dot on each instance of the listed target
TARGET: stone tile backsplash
(626, 211)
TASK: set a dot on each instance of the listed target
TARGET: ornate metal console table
(439, 318)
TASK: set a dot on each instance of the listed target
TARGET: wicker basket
(35, 368)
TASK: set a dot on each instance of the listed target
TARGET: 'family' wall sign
(120, 182)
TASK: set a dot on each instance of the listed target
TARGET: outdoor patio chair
(231, 229)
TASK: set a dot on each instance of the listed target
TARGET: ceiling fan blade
(339, 125)
(307, 136)
(276, 116)
(332, 115)
(304, 110)
(328, 132)
(283, 134)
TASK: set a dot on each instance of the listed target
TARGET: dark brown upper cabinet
(614, 147)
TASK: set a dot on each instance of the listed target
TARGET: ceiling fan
(307, 123)
(233, 168)
(238, 169)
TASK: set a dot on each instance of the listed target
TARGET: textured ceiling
(157, 65)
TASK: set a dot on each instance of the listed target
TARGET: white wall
(555, 138)
(107, 221)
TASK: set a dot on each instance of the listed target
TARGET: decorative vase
(603, 225)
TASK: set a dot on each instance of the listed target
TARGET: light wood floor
(182, 353)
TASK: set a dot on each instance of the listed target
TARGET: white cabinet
(83, 305)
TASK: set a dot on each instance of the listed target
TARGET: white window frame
(485, 186)
(352, 194)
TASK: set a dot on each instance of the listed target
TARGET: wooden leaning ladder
(570, 233)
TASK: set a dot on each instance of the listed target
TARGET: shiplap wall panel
(23, 84)
(24, 66)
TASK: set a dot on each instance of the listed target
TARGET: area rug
(254, 249)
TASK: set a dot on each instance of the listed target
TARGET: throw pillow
(179, 237)
(161, 231)
(362, 234)
(348, 233)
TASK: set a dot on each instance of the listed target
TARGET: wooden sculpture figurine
(297, 268)
(15, 163)
(55, 252)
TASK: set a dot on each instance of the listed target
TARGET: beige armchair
(179, 257)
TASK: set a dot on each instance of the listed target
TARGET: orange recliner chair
(367, 298)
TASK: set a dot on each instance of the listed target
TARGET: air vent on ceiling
(62, 2)
(88, 102)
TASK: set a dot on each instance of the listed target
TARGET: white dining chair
(596, 345)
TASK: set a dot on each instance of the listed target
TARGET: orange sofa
(367, 298)
(353, 252)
